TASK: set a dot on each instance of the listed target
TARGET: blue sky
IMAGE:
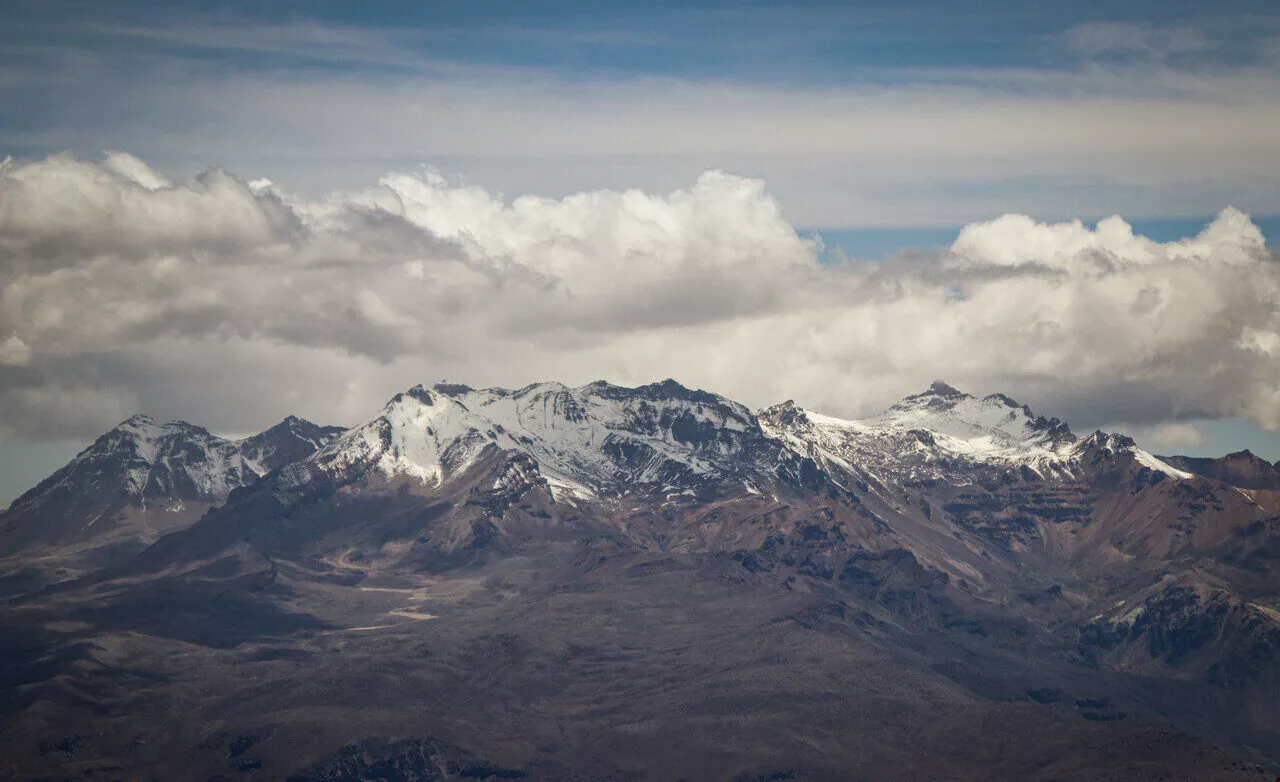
(877, 243)
(864, 114)
(881, 126)
(801, 42)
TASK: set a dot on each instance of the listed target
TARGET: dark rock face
(1178, 624)
(941, 390)
(517, 475)
(1055, 428)
(1216, 637)
(1242, 469)
(408, 760)
(1045, 695)
(289, 441)
(1009, 514)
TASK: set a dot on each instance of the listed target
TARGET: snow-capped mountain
(1108, 449)
(944, 435)
(595, 441)
(147, 465)
(986, 554)
(288, 441)
(661, 443)
(992, 468)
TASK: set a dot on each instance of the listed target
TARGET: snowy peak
(178, 460)
(175, 460)
(1108, 449)
(668, 419)
(288, 441)
(596, 440)
(941, 434)
(783, 415)
(994, 421)
(151, 466)
(143, 435)
(938, 397)
(143, 460)
(138, 422)
(421, 434)
(939, 391)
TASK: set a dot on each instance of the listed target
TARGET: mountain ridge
(1242, 468)
(574, 562)
(142, 462)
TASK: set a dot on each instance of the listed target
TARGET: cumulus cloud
(14, 351)
(233, 302)
(1173, 436)
(62, 211)
(1016, 240)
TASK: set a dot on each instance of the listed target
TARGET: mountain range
(642, 583)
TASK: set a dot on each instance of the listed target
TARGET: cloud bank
(232, 302)
(1171, 438)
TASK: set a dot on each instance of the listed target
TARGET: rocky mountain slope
(1242, 469)
(144, 477)
(650, 583)
(940, 435)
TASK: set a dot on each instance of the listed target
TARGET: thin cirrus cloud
(1175, 127)
(905, 156)
(235, 302)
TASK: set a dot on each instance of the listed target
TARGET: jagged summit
(662, 391)
(782, 417)
(939, 394)
(1003, 399)
(1109, 439)
(145, 463)
(943, 389)
(595, 440)
(943, 434)
(995, 418)
(143, 425)
(451, 389)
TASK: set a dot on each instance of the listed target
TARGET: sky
(231, 212)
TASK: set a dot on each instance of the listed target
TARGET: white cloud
(14, 351)
(135, 170)
(1014, 240)
(63, 210)
(234, 305)
(1171, 437)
